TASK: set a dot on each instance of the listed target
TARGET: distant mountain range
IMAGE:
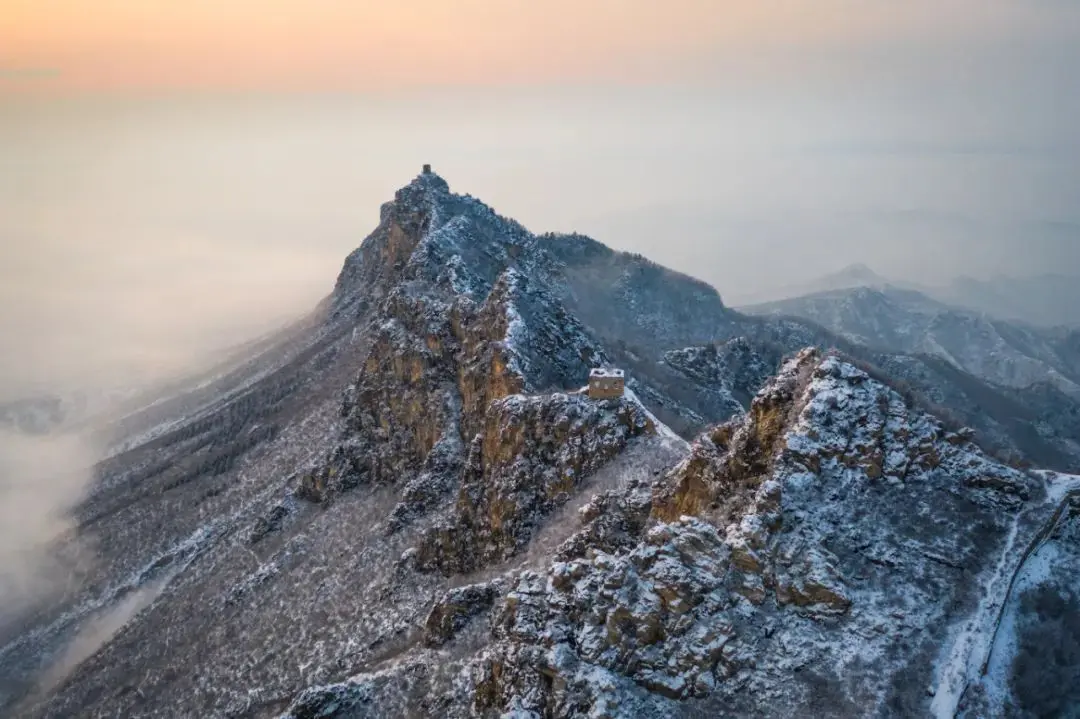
(1010, 354)
(1045, 300)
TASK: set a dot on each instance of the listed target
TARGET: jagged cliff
(530, 457)
(420, 514)
(834, 551)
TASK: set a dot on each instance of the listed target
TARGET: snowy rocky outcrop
(759, 562)
(529, 458)
(439, 393)
(1036, 425)
(406, 507)
(827, 551)
(1017, 384)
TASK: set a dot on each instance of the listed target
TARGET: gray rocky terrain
(405, 506)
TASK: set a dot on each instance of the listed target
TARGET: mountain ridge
(1043, 301)
(410, 508)
(1003, 353)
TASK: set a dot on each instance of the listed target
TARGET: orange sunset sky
(65, 45)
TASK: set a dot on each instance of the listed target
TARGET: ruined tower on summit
(427, 169)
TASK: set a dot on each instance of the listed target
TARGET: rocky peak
(822, 409)
(816, 545)
(465, 384)
(859, 273)
(814, 549)
(466, 534)
(426, 233)
(731, 460)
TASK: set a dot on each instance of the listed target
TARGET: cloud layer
(42, 479)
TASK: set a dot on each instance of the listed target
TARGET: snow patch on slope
(972, 645)
(988, 641)
(670, 439)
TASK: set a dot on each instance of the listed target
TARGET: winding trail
(1036, 543)
(969, 658)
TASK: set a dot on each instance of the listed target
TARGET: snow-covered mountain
(849, 277)
(1045, 301)
(404, 506)
(1009, 354)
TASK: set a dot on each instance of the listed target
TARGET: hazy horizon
(154, 211)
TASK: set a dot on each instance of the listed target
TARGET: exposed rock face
(1034, 425)
(412, 512)
(649, 614)
(813, 553)
(451, 338)
(735, 458)
(529, 459)
(451, 613)
(757, 542)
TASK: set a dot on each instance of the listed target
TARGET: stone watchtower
(606, 383)
(427, 169)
